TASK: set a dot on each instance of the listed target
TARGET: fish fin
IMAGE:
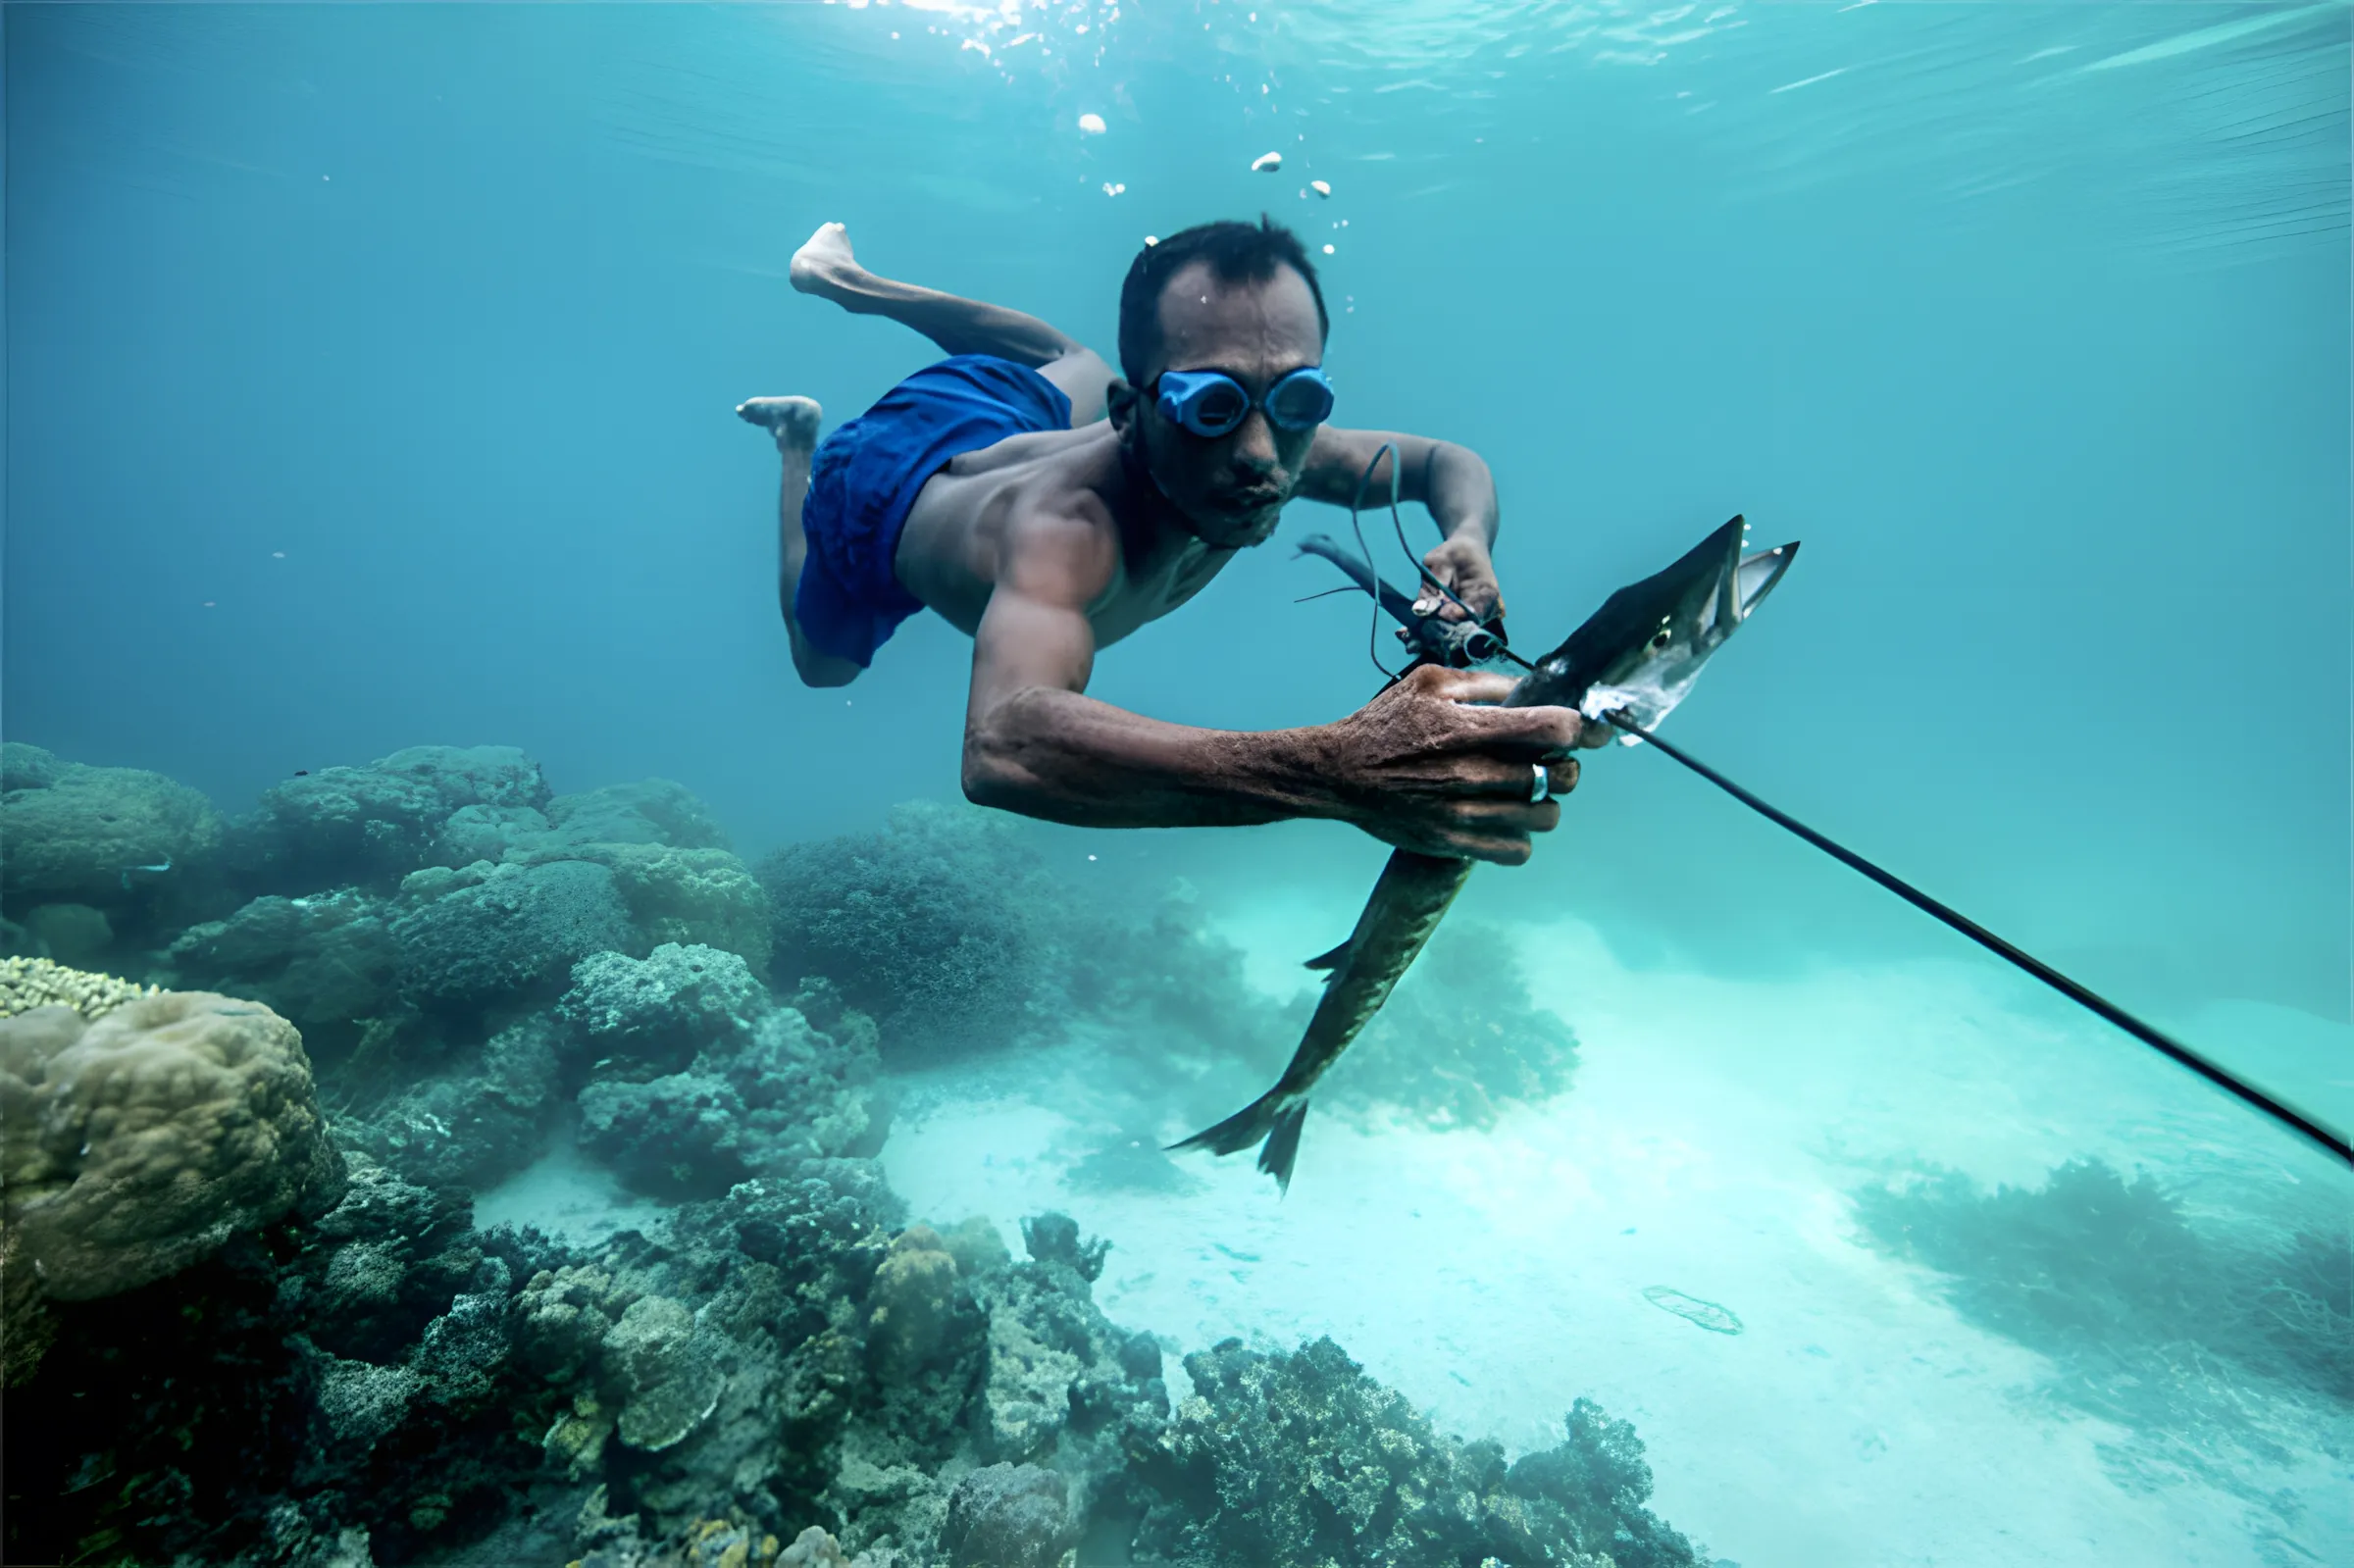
(1283, 1145)
(1274, 1117)
(1333, 959)
(1240, 1130)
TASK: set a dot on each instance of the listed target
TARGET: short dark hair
(1237, 252)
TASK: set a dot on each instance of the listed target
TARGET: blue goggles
(1211, 403)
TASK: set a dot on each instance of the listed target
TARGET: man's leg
(792, 421)
(825, 266)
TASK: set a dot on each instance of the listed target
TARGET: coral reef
(751, 1089)
(93, 851)
(2154, 1317)
(241, 1331)
(1301, 1459)
(1009, 1516)
(701, 896)
(934, 928)
(665, 1008)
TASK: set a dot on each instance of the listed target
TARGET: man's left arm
(1449, 479)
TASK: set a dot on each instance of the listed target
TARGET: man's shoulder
(1063, 524)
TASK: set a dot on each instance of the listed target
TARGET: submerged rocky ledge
(251, 1318)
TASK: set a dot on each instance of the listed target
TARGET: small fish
(158, 869)
(1266, 163)
(1638, 655)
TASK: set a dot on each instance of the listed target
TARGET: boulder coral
(503, 935)
(911, 1304)
(138, 1143)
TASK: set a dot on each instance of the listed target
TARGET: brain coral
(134, 1145)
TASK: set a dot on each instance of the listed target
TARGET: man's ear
(1120, 405)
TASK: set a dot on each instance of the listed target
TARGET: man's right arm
(1424, 766)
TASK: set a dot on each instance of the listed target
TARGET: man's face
(1231, 488)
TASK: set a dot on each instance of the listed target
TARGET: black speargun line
(2286, 1115)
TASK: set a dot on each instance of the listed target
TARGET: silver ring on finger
(1540, 790)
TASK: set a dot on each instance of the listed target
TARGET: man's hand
(1425, 767)
(1463, 564)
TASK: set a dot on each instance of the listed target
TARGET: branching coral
(29, 982)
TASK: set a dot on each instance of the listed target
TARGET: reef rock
(373, 825)
(113, 840)
(1009, 1516)
(666, 1007)
(472, 1127)
(322, 961)
(669, 1373)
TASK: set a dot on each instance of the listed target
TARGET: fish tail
(1282, 1147)
(1274, 1118)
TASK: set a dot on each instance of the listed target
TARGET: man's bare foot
(792, 421)
(824, 265)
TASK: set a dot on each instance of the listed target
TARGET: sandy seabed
(1708, 1147)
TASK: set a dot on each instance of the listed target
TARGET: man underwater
(1048, 508)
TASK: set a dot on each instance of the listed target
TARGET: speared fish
(1637, 656)
(1633, 662)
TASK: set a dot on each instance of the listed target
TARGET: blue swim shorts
(864, 479)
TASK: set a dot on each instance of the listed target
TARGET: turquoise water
(369, 375)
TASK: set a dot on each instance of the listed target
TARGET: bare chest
(958, 532)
